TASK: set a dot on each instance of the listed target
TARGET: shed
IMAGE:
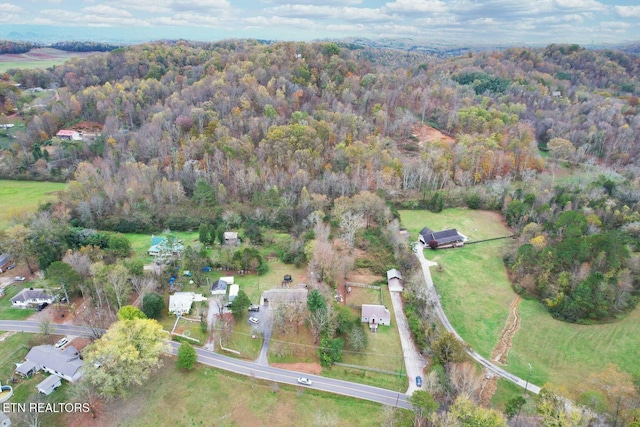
(231, 237)
(233, 292)
(219, 287)
(49, 384)
(394, 280)
(5, 262)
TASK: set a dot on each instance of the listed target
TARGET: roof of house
(66, 132)
(26, 367)
(156, 240)
(442, 237)
(219, 285)
(66, 361)
(4, 258)
(49, 382)
(159, 243)
(228, 279)
(181, 301)
(31, 294)
(375, 310)
(233, 290)
(393, 273)
(230, 235)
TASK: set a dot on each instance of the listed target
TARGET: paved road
(360, 391)
(447, 325)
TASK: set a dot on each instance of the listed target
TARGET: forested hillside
(274, 131)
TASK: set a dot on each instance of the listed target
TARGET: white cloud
(329, 12)
(416, 6)
(580, 4)
(9, 8)
(628, 11)
(104, 10)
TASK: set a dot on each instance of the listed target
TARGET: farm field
(22, 197)
(38, 58)
(476, 293)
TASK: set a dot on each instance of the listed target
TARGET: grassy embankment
(22, 197)
(475, 293)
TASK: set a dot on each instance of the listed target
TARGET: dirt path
(501, 350)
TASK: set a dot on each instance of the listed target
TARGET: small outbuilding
(394, 280)
(231, 238)
(49, 384)
(233, 292)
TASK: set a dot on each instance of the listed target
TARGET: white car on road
(305, 381)
(254, 320)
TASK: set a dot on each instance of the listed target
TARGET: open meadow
(37, 58)
(475, 293)
(206, 396)
(22, 197)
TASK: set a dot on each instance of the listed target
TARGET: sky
(504, 22)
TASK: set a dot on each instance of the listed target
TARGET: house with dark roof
(64, 363)
(449, 238)
(5, 262)
(219, 287)
(375, 315)
(31, 297)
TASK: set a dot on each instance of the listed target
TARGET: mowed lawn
(209, 397)
(473, 284)
(22, 197)
(476, 293)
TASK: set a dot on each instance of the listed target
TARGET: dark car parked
(42, 306)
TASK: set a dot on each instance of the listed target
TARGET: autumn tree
(124, 356)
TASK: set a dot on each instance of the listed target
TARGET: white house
(49, 384)
(233, 292)
(180, 302)
(31, 297)
(375, 315)
(64, 363)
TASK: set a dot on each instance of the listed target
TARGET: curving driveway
(447, 325)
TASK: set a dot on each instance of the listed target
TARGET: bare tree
(466, 379)
(350, 223)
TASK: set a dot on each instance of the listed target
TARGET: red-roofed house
(69, 135)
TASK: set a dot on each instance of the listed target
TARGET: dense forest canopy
(271, 132)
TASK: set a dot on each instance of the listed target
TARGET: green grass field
(22, 197)
(476, 293)
(207, 396)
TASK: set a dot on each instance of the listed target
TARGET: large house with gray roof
(31, 298)
(64, 363)
(449, 238)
